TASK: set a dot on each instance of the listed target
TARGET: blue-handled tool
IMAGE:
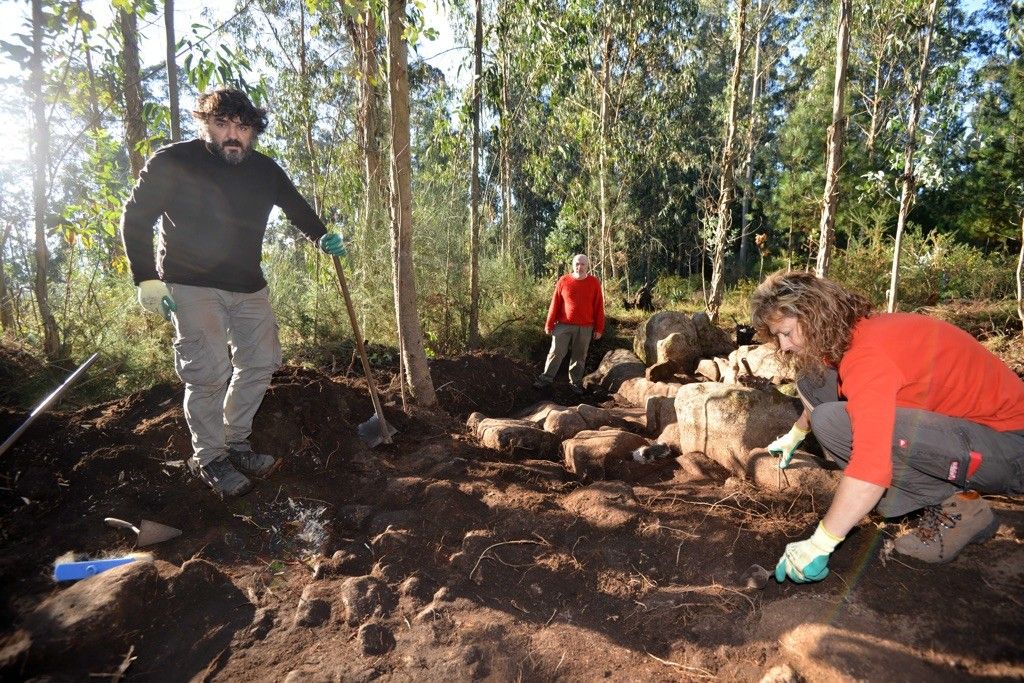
(83, 569)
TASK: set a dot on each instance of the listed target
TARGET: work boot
(943, 530)
(224, 479)
(249, 463)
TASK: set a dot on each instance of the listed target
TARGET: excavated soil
(435, 559)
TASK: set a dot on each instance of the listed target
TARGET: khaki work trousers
(563, 337)
(226, 349)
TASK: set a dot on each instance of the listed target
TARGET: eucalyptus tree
(474, 178)
(836, 138)
(172, 70)
(907, 189)
(726, 181)
(410, 333)
(131, 83)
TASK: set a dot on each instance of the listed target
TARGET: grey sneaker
(224, 479)
(250, 463)
(943, 530)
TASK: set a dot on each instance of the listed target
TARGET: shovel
(147, 533)
(376, 430)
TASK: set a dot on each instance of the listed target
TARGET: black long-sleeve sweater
(214, 215)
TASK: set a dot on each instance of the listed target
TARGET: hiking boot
(224, 479)
(251, 464)
(541, 383)
(576, 389)
(943, 530)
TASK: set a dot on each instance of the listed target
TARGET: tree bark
(134, 125)
(410, 332)
(172, 71)
(504, 136)
(364, 41)
(474, 185)
(7, 320)
(907, 192)
(605, 239)
(726, 181)
(748, 163)
(1020, 275)
(40, 151)
(836, 137)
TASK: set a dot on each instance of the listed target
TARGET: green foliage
(933, 269)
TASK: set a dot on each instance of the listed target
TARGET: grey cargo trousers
(933, 455)
(564, 336)
(226, 349)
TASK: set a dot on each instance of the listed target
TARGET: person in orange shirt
(575, 316)
(920, 416)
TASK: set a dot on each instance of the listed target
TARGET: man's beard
(235, 155)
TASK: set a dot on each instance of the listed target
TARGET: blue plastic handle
(73, 571)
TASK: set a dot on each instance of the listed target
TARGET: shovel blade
(155, 532)
(372, 434)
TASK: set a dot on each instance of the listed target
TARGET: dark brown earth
(470, 566)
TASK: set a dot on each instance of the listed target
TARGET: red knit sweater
(913, 361)
(577, 302)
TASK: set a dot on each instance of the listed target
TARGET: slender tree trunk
(506, 163)
(134, 125)
(7, 322)
(907, 192)
(726, 181)
(414, 355)
(172, 71)
(474, 185)
(836, 137)
(748, 163)
(605, 239)
(364, 41)
(1020, 275)
(40, 152)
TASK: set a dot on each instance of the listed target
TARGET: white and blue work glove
(786, 444)
(332, 244)
(156, 298)
(807, 561)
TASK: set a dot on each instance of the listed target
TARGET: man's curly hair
(827, 313)
(230, 103)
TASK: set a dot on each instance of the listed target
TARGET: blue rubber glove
(332, 244)
(807, 561)
(156, 298)
(786, 444)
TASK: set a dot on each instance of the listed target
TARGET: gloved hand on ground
(332, 244)
(156, 298)
(806, 561)
(786, 444)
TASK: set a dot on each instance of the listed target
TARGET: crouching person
(920, 416)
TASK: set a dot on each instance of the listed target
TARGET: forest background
(691, 146)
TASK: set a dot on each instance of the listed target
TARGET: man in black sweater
(213, 197)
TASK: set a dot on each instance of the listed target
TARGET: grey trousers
(226, 349)
(563, 337)
(931, 453)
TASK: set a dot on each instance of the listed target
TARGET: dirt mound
(489, 383)
(434, 558)
(18, 370)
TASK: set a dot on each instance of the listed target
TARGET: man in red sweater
(919, 415)
(576, 315)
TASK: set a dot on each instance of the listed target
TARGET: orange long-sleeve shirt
(577, 302)
(913, 361)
